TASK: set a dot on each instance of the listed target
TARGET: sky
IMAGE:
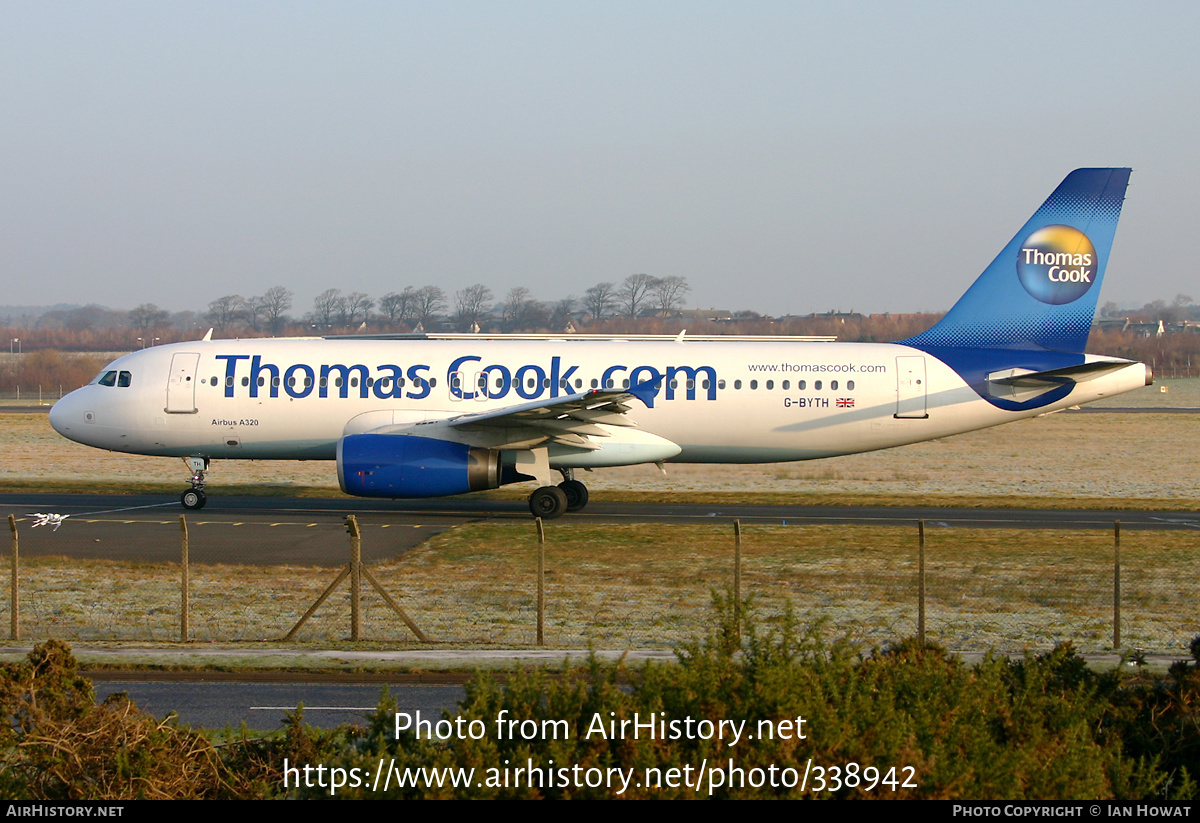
(784, 157)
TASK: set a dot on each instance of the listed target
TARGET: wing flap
(573, 421)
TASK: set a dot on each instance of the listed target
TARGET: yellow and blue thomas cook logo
(1057, 264)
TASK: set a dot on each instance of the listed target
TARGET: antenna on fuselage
(207, 338)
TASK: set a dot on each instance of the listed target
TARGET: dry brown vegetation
(58, 744)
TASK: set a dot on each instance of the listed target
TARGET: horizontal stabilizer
(1056, 377)
(1025, 384)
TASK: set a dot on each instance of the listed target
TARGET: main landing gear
(549, 502)
(195, 498)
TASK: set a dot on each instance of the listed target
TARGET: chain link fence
(610, 586)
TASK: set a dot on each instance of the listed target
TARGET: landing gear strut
(549, 502)
(195, 498)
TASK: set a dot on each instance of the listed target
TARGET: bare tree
(272, 306)
(600, 299)
(226, 311)
(397, 307)
(560, 316)
(429, 301)
(633, 291)
(669, 292)
(511, 308)
(356, 308)
(471, 306)
(147, 317)
(87, 317)
(522, 312)
(327, 308)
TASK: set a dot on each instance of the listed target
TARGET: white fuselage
(720, 402)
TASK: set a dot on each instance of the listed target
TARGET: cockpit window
(109, 378)
(123, 379)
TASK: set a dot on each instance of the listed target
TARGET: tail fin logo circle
(1057, 264)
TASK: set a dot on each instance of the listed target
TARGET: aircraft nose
(67, 415)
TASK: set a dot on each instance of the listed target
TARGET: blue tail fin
(1041, 291)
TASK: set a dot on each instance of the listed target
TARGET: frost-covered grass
(650, 586)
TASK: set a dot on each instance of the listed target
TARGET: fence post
(737, 576)
(1116, 584)
(14, 630)
(541, 583)
(356, 572)
(355, 576)
(921, 581)
(184, 629)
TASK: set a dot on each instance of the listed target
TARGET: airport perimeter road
(216, 704)
(298, 530)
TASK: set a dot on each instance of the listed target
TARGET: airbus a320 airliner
(415, 416)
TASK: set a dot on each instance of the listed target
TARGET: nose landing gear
(195, 498)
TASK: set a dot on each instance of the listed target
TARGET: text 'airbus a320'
(418, 416)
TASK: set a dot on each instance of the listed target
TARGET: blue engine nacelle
(397, 465)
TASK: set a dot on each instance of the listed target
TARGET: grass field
(651, 586)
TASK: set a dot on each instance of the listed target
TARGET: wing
(572, 420)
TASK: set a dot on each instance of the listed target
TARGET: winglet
(207, 338)
(645, 392)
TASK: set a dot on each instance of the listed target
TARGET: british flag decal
(845, 402)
